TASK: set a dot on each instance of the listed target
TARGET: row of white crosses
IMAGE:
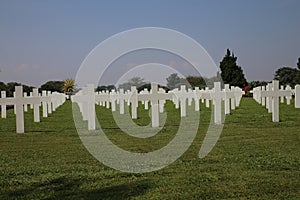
(270, 96)
(265, 100)
(87, 99)
(157, 99)
(49, 101)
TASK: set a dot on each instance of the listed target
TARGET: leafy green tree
(147, 86)
(173, 81)
(231, 73)
(135, 81)
(254, 84)
(53, 86)
(11, 88)
(111, 87)
(27, 89)
(101, 88)
(105, 88)
(210, 81)
(196, 81)
(3, 86)
(286, 76)
(298, 73)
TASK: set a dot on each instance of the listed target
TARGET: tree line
(230, 73)
(288, 75)
(67, 86)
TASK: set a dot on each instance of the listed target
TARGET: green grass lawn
(253, 159)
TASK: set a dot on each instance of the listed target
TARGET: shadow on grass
(66, 188)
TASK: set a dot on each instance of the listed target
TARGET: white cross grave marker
(297, 96)
(122, 97)
(45, 100)
(134, 102)
(238, 93)
(182, 96)
(269, 98)
(36, 106)
(288, 97)
(263, 99)
(87, 99)
(154, 96)
(257, 94)
(107, 102)
(18, 104)
(232, 100)
(113, 100)
(31, 105)
(3, 106)
(161, 101)
(205, 95)
(228, 95)
(197, 96)
(274, 95)
(25, 105)
(207, 99)
(217, 95)
(190, 96)
(146, 103)
(175, 98)
(49, 104)
(19, 101)
(282, 97)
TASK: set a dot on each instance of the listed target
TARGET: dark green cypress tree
(231, 73)
(298, 72)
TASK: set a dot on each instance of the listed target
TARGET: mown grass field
(253, 159)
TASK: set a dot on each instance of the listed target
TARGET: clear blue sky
(43, 40)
